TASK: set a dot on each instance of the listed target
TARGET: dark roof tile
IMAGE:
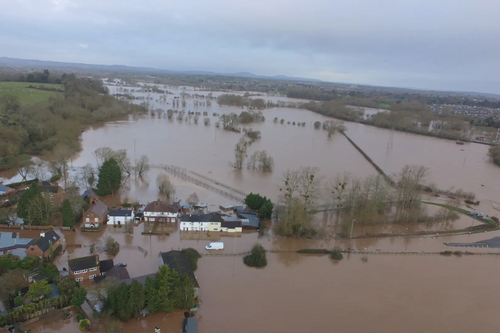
(178, 261)
(78, 264)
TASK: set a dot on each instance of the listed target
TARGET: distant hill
(36, 64)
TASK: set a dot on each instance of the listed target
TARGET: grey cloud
(427, 44)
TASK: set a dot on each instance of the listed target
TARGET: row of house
(11, 242)
(91, 268)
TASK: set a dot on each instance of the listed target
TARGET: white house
(201, 222)
(160, 211)
(120, 216)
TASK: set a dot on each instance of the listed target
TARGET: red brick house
(84, 268)
(160, 211)
(96, 215)
(41, 247)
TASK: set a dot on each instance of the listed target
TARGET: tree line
(369, 201)
(41, 128)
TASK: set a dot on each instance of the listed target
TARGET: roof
(4, 188)
(49, 188)
(54, 292)
(231, 224)
(249, 220)
(99, 209)
(88, 193)
(210, 217)
(160, 207)
(200, 205)
(141, 279)
(9, 241)
(178, 261)
(121, 212)
(106, 265)
(120, 273)
(45, 182)
(44, 242)
(190, 325)
(78, 264)
(226, 206)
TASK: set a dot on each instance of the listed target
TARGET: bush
(18, 300)
(55, 177)
(84, 325)
(495, 219)
(192, 256)
(80, 316)
(257, 258)
(112, 246)
(336, 254)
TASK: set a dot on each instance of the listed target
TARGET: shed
(190, 325)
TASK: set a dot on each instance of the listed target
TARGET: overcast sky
(436, 44)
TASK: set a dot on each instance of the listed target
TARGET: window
(96, 219)
(93, 269)
(151, 219)
(87, 220)
(77, 272)
(83, 271)
(91, 277)
(80, 279)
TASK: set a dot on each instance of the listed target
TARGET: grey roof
(87, 193)
(9, 241)
(178, 261)
(106, 265)
(190, 325)
(54, 292)
(160, 207)
(231, 224)
(99, 209)
(141, 279)
(49, 188)
(120, 212)
(210, 217)
(249, 220)
(121, 273)
(44, 242)
(78, 264)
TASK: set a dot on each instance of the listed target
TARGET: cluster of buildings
(10, 242)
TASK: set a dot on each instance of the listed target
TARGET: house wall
(89, 220)
(86, 274)
(231, 230)
(198, 226)
(213, 226)
(35, 251)
(160, 217)
(119, 219)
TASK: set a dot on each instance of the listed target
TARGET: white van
(215, 246)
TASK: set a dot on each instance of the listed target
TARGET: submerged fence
(183, 174)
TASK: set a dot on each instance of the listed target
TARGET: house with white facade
(120, 216)
(160, 211)
(201, 222)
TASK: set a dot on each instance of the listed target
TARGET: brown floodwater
(298, 292)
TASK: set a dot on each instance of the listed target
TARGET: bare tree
(25, 169)
(123, 161)
(170, 113)
(87, 176)
(142, 165)
(193, 199)
(409, 182)
(196, 118)
(102, 155)
(240, 152)
(266, 162)
(253, 160)
(206, 121)
(39, 170)
(165, 186)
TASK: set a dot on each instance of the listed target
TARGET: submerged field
(30, 96)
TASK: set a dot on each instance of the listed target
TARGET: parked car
(215, 246)
(122, 264)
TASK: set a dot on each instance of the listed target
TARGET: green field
(30, 96)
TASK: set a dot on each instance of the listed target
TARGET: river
(297, 292)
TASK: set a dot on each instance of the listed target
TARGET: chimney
(42, 234)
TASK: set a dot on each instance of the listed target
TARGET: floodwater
(298, 292)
